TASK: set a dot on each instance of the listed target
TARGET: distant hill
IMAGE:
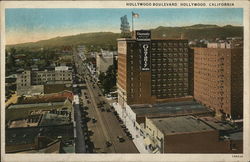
(198, 31)
(98, 38)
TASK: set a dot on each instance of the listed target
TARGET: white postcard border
(125, 157)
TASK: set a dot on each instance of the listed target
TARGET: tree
(101, 77)
(108, 80)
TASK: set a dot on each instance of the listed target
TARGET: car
(94, 120)
(120, 139)
(130, 137)
(108, 144)
(123, 126)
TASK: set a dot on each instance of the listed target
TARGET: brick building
(169, 76)
(188, 134)
(218, 80)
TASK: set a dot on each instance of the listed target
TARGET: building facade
(218, 80)
(103, 61)
(31, 82)
(169, 76)
(188, 134)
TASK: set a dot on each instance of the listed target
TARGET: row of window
(170, 65)
(170, 79)
(164, 70)
(169, 49)
(170, 95)
(49, 75)
(169, 75)
(171, 44)
(163, 54)
(170, 60)
(169, 89)
(159, 84)
(40, 79)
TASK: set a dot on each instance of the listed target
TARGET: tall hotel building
(218, 80)
(168, 75)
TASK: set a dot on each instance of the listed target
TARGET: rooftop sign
(143, 35)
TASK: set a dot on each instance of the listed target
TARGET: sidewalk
(138, 139)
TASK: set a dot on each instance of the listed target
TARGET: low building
(25, 111)
(189, 134)
(48, 139)
(134, 116)
(47, 98)
(40, 127)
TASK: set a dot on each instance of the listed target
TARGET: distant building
(169, 73)
(219, 45)
(104, 60)
(231, 42)
(32, 82)
(218, 80)
(188, 134)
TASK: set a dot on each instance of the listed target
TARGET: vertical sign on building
(143, 37)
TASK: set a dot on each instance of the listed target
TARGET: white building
(104, 60)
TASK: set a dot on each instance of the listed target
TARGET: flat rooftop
(217, 124)
(171, 108)
(51, 104)
(54, 119)
(27, 135)
(236, 135)
(30, 121)
(180, 124)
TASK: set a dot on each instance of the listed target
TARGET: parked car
(94, 120)
(108, 144)
(123, 126)
(120, 139)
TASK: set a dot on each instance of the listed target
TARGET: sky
(29, 25)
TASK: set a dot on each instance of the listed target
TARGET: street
(105, 131)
